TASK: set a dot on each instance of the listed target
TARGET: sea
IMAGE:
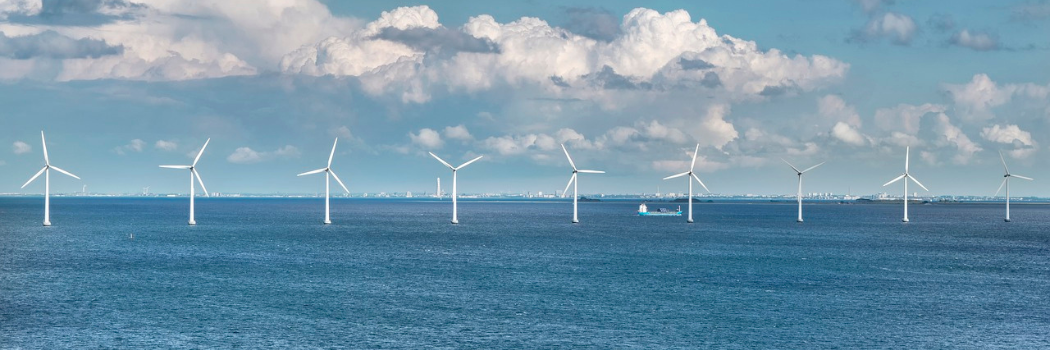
(266, 273)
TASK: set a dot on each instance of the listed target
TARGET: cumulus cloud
(846, 133)
(976, 99)
(978, 41)
(246, 155)
(135, 145)
(458, 132)
(20, 147)
(645, 54)
(427, 138)
(898, 28)
(341, 131)
(1008, 134)
(951, 135)
(592, 22)
(905, 117)
(165, 145)
(20, 8)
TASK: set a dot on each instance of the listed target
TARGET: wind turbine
(1006, 181)
(906, 176)
(455, 218)
(800, 172)
(193, 173)
(575, 184)
(689, 178)
(328, 173)
(47, 181)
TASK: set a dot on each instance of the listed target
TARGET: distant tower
(84, 191)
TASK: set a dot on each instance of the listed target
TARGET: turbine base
(328, 222)
(47, 223)
(689, 221)
(905, 220)
(799, 220)
(575, 221)
(1007, 220)
(192, 222)
(454, 222)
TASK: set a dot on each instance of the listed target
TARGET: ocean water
(265, 273)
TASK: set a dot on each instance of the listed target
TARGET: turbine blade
(676, 175)
(571, 179)
(64, 172)
(907, 154)
(918, 183)
(1001, 187)
(894, 180)
(44, 142)
(468, 163)
(339, 181)
(313, 172)
(813, 167)
(1021, 177)
(200, 182)
(567, 156)
(792, 166)
(701, 183)
(330, 155)
(176, 166)
(1004, 162)
(442, 161)
(591, 171)
(200, 153)
(693, 164)
(35, 176)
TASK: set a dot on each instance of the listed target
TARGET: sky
(122, 86)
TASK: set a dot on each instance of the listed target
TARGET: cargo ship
(643, 210)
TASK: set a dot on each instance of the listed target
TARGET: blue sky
(121, 86)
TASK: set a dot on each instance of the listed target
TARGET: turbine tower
(1006, 181)
(328, 173)
(193, 174)
(800, 172)
(690, 176)
(575, 184)
(906, 176)
(47, 181)
(455, 218)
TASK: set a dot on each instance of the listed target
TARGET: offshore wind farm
(416, 253)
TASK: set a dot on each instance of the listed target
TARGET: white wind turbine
(906, 176)
(1006, 181)
(455, 218)
(800, 172)
(328, 171)
(193, 173)
(47, 181)
(690, 176)
(575, 184)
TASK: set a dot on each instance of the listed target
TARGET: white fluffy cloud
(135, 145)
(20, 147)
(427, 138)
(654, 50)
(20, 7)
(848, 134)
(246, 155)
(458, 132)
(978, 41)
(165, 145)
(899, 28)
(976, 99)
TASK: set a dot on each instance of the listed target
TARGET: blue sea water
(265, 273)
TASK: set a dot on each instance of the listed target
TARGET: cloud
(952, 135)
(438, 40)
(20, 8)
(846, 133)
(978, 41)
(834, 108)
(20, 147)
(427, 138)
(165, 145)
(899, 28)
(341, 131)
(976, 99)
(135, 145)
(50, 44)
(1008, 134)
(870, 6)
(458, 132)
(246, 155)
(905, 117)
(651, 52)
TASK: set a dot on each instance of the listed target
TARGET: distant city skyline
(629, 87)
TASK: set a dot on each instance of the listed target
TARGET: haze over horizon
(122, 86)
